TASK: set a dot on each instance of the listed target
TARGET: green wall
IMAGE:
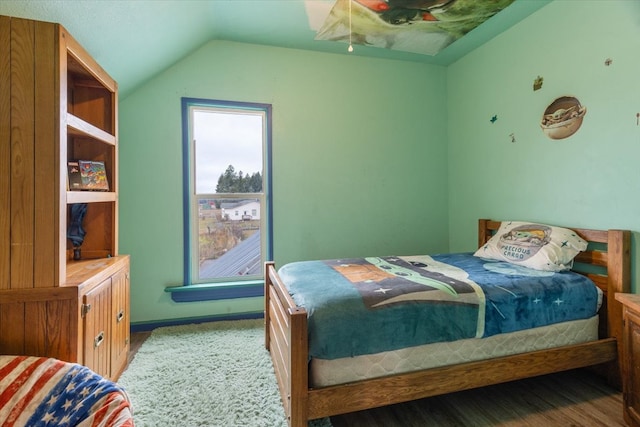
(359, 161)
(590, 179)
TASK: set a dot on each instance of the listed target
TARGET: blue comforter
(369, 305)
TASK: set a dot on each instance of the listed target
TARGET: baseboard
(149, 326)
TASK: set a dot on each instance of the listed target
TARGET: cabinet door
(97, 321)
(631, 368)
(120, 322)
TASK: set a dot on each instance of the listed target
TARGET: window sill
(216, 291)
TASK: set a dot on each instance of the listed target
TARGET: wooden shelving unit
(57, 105)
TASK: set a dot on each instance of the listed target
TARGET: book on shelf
(87, 175)
(74, 178)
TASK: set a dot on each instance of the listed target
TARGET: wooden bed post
(287, 340)
(483, 236)
(618, 272)
(299, 375)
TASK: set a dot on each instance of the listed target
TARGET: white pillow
(537, 246)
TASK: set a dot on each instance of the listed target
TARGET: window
(227, 202)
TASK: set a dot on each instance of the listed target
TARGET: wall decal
(494, 119)
(418, 26)
(563, 117)
(537, 83)
(608, 62)
(513, 137)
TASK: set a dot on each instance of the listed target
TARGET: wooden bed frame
(286, 340)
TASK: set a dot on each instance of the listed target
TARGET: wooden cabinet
(631, 358)
(58, 105)
(105, 312)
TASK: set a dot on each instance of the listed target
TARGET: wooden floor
(570, 399)
(137, 338)
(575, 398)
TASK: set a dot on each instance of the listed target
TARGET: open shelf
(79, 128)
(90, 196)
(91, 135)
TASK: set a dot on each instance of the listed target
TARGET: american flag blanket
(40, 391)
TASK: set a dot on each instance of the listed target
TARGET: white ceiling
(135, 39)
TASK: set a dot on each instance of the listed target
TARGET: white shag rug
(208, 374)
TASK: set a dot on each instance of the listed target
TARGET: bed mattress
(325, 372)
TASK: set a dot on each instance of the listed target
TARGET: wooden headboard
(606, 261)
(608, 254)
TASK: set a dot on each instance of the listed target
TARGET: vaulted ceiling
(135, 39)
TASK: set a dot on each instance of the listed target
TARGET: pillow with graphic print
(537, 246)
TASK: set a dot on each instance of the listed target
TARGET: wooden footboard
(287, 340)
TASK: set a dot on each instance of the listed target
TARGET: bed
(49, 392)
(310, 391)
